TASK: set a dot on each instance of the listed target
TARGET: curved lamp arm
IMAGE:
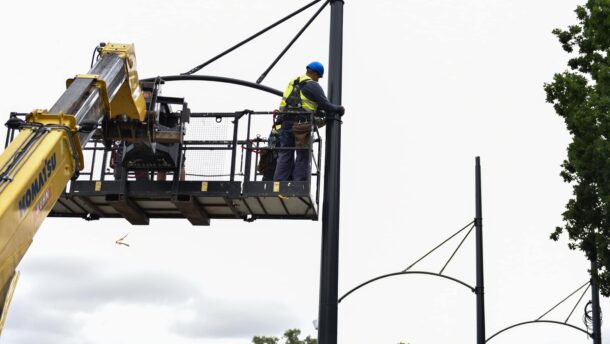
(538, 321)
(406, 273)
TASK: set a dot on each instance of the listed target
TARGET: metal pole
(597, 333)
(480, 288)
(329, 276)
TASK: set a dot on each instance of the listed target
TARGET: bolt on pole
(329, 272)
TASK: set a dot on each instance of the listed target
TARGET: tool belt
(292, 117)
(318, 118)
(302, 134)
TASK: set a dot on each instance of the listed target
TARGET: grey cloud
(233, 319)
(66, 284)
(62, 287)
(139, 288)
(34, 337)
(51, 326)
(46, 319)
(64, 266)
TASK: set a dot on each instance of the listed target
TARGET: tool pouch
(302, 134)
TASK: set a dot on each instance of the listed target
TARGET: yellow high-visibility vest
(306, 103)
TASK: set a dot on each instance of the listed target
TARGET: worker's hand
(341, 110)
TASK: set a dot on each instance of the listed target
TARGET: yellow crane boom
(36, 167)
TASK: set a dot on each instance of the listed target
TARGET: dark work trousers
(271, 163)
(286, 163)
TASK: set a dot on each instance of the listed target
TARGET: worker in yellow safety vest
(303, 96)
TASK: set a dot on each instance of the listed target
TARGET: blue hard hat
(316, 67)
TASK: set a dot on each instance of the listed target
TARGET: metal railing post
(234, 146)
(248, 166)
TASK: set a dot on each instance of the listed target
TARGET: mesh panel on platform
(208, 164)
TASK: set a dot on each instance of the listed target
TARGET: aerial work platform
(215, 179)
(139, 201)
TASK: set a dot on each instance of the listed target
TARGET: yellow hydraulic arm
(36, 167)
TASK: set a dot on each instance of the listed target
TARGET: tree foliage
(581, 95)
(290, 337)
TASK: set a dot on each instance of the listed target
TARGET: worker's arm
(314, 91)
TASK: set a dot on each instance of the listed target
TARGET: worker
(302, 96)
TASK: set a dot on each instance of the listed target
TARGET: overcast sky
(428, 85)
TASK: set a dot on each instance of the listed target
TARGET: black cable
(167, 78)
(93, 56)
(562, 301)
(199, 67)
(277, 59)
(587, 318)
(37, 134)
(439, 245)
(98, 50)
(577, 302)
(456, 249)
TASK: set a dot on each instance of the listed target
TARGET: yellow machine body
(129, 100)
(38, 164)
(29, 197)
